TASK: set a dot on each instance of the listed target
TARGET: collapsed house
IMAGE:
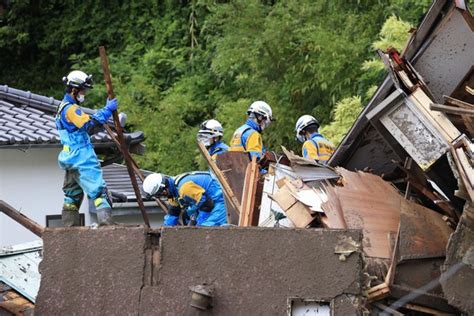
(416, 133)
(388, 228)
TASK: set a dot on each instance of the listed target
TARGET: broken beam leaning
(135, 167)
(235, 205)
(450, 109)
(22, 219)
(248, 193)
(118, 127)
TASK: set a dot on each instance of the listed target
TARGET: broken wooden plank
(21, 218)
(378, 292)
(467, 120)
(234, 203)
(457, 102)
(332, 209)
(426, 310)
(387, 309)
(248, 194)
(442, 123)
(466, 166)
(451, 109)
(470, 90)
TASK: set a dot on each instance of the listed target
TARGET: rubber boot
(104, 217)
(70, 216)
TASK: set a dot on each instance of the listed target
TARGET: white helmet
(208, 130)
(78, 79)
(154, 184)
(303, 122)
(261, 108)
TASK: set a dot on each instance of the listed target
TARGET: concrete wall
(31, 181)
(254, 271)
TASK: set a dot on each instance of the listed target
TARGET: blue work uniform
(78, 158)
(217, 148)
(318, 147)
(248, 138)
(200, 195)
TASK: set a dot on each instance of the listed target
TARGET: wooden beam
(135, 167)
(235, 205)
(386, 309)
(248, 193)
(457, 102)
(427, 310)
(470, 90)
(451, 109)
(462, 174)
(21, 218)
(378, 292)
(123, 146)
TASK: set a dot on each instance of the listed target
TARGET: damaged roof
(19, 268)
(427, 33)
(28, 119)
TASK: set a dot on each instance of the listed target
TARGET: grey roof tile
(27, 118)
(117, 179)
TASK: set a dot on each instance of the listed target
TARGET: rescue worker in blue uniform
(315, 145)
(197, 193)
(248, 138)
(78, 158)
(210, 134)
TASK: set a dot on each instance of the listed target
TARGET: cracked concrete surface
(129, 270)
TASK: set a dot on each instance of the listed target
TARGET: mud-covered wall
(252, 270)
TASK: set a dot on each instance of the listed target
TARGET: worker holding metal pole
(78, 158)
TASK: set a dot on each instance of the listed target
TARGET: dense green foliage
(394, 33)
(177, 63)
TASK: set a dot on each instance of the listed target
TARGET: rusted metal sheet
(365, 201)
(423, 233)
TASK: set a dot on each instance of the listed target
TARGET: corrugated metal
(19, 268)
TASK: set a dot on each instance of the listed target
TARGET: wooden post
(451, 109)
(235, 205)
(248, 193)
(22, 219)
(118, 128)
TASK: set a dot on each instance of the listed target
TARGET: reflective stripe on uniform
(318, 149)
(236, 142)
